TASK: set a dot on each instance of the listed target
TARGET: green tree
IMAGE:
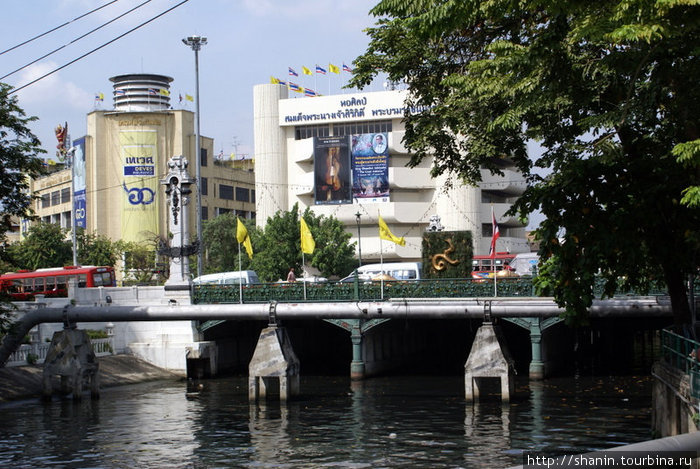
(219, 235)
(94, 249)
(333, 256)
(140, 262)
(607, 88)
(45, 245)
(277, 247)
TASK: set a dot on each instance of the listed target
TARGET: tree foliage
(44, 246)
(609, 91)
(94, 249)
(219, 235)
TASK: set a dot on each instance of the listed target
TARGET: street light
(196, 43)
(359, 239)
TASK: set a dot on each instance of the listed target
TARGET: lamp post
(359, 240)
(196, 43)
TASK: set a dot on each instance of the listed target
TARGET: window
(361, 128)
(45, 200)
(203, 156)
(65, 195)
(242, 194)
(307, 131)
(486, 230)
(221, 211)
(204, 189)
(252, 195)
(55, 197)
(205, 213)
(225, 192)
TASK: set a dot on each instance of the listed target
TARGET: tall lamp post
(196, 43)
(359, 240)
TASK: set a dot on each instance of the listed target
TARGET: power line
(75, 40)
(96, 48)
(57, 27)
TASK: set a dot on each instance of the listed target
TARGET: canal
(394, 421)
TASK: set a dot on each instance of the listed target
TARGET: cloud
(51, 90)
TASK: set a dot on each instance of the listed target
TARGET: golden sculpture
(440, 261)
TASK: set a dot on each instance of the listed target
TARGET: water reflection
(269, 435)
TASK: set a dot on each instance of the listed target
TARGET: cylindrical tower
(271, 187)
(141, 92)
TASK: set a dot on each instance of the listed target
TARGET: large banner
(370, 167)
(79, 200)
(139, 158)
(332, 173)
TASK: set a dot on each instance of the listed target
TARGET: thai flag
(494, 236)
(119, 92)
(320, 70)
(346, 68)
(152, 91)
(294, 87)
(309, 92)
(292, 72)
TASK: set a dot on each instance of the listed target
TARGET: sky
(248, 41)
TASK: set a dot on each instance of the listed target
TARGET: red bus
(483, 266)
(24, 285)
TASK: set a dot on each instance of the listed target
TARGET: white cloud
(51, 90)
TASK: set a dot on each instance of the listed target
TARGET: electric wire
(15, 90)
(57, 27)
(75, 40)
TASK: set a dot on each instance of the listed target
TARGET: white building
(295, 138)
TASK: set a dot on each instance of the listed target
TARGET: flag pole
(381, 261)
(302, 272)
(240, 278)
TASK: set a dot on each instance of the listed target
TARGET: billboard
(79, 200)
(139, 203)
(332, 171)
(370, 167)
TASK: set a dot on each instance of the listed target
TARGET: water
(399, 421)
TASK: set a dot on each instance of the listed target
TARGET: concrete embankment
(26, 381)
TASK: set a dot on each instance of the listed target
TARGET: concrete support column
(357, 366)
(273, 360)
(536, 364)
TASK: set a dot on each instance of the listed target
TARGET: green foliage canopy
(609, 91)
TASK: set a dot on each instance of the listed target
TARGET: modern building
(342, 155)
(115, 181)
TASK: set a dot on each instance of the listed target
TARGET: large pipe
(403, 308)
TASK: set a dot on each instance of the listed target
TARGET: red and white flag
(494, 236)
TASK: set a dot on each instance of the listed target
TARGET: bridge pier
(488, 358)
(273, 361)
(357, 328)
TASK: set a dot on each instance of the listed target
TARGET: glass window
(203, 156)
(82, 280)
(252, 195)
(55, 197)
(65, 195)
(308, 131)
(362, 128)
(205, 213)
(225, 192)
(205, 189)
(45, 200)
(242, 194)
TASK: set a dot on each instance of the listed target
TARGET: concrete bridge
(176, 327)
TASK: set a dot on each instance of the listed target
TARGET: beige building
(342, 156)
(118, 168)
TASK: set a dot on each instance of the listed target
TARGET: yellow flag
(333, 68)
(189, 97)
(164, 92)
(306, 71)
(274, 81)
(385, 233)
(307, 241)
(242, 237)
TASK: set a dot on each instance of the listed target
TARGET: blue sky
(248, 41)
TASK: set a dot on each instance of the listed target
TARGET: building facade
(342, 155)
(117, 167)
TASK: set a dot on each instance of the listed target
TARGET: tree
(333, 256)
(96, 249)
(19, 150)
(219, 236)
(44, 246)
(277, 247)
(607, 88)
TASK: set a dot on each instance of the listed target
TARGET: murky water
(399, 421)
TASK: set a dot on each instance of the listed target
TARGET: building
(342, 155)
(118, 168)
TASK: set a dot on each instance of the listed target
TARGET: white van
(525, 263)
(228, 278)
(398, 270)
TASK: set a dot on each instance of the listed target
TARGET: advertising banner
(139, 158)
(332, 175)
(79, 200)
(370, 167)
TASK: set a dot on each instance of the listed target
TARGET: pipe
(403, 309)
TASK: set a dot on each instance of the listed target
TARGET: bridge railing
(680, 352)
(368, 291)
(29, 354)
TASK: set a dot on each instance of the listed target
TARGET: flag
(346, 68)
(494, 236)
(180, 96)
(307, 241)
(320, 70)
(99, 97)
(333, 68)
(189, 97)
(152, 91)
(309, 92)
(385, 233)
(295, 87)
(274, 80)
(242, 237)
(120, 92)
(306, 71)
(163, 92)
(292, 72)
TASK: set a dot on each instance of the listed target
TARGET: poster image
(370, 167)
(79, 199)
(332, 171)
